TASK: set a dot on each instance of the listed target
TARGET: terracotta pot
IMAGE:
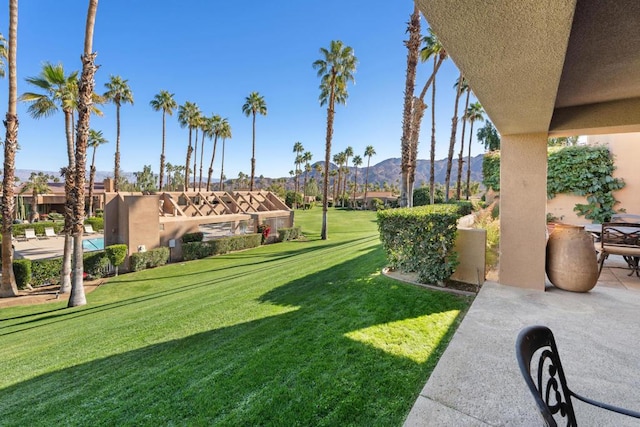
(571, 262)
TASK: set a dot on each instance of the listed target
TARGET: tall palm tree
(336, 68)
(348, 152)
(163, 101)
(452, 141)
(254, 104)
(369, 151)
(188, 117)
(206, 127)
(214, 129)
(298, 149)
(475, 113)
(432, 49)
(357, 161)
(467, 89)
(118, 92)
(95, 140)
(86, 87)
(338, 159)
(37, 184)
(306, 158)
(225, 132)
(413, 47)
(197, 125)
(8, 286)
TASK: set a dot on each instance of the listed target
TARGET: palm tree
(348, 152)
(95, 140)
(298, 149)
(225, 132)
(118, 92)
(254, 104)
(188, 117)
(85, 100)
(306, 158)
(207, 128)
(8, 286)
(452, 141)
(368, 152)
(338, 159)
(357, 161)
(413, 47)
(467, 89)
(473, 114)
(163, 101)
(3, 54)
(37, 184)
(212, 129)
(197, 124)
(335, 68)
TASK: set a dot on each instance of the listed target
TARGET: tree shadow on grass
(295, 368)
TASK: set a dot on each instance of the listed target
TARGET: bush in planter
(22, 272)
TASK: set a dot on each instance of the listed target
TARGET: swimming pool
(95, 244)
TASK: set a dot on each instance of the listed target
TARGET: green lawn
(297, 333)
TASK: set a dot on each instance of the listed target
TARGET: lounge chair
(88, 229)
(49, 232)
(30, 233)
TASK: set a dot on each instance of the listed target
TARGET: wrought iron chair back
(549, 388)
(621, 238)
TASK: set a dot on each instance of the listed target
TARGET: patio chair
(88, 229)
(621, 238)
(550, 392)
(49, 232)
(30, 233)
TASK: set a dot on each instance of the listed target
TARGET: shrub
(264, 230)
(197, 250)
(193, 237)
(18, 229)
(285, 234)
(377, 204)
(116, 254)
(45, 271)
(292, 198)
(96, 264)
(55, 216)
(96, 222)
(99, 213)
(421, 240)
(422, 196)
(22, 272)
(465, 207)
(152, 258)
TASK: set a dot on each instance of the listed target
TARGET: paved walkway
(477, 381)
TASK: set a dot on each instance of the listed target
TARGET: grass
(296, 333)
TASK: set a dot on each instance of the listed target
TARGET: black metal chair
(621, 238)
(549, 388)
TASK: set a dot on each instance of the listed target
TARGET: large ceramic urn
(571, 262)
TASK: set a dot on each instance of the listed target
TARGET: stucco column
(523, 201)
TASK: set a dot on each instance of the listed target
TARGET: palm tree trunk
(116, 171)
(213, 156)
(253, 153)
(416, 120)
(222, 166)
(366, 184)
(161, 177)
(413, 47)
(201, 158)
(186, 168)
(85, 90)
(452, 141)
(324, 233)
(69, 184)
(469, 159)
(92, 176)
(195, 160)
(432, 171)
(461, 154)
(8, 286)
(355, 186)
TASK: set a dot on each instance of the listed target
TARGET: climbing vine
(584, 170)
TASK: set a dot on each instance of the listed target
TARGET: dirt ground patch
(45, 294)
(451, 286)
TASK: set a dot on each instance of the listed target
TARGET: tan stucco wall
(523, 203)
(561, 207)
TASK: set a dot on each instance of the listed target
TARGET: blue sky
(214, 54)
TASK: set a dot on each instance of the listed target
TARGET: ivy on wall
(584, 170)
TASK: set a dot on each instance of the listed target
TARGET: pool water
(95, 244)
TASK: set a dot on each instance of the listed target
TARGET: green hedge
(96, 222)
(116, 253)
(465, 207)
(421, 240)
(152, 258)
(285, 234)
(18, 229)
(22, 272)
(193, 237)
(96, 264)
(197, 250)
(45, 271)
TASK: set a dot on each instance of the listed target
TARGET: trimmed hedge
(285, 234)
(18, 229)
(96, 264)
(465, 207)
(193, 237)
(45, 271)
(96, 222)
(152, 258)
(197, 250)
(421, 240)
(22, 272)
(116, 253)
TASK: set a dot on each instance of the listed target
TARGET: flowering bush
(264, 229)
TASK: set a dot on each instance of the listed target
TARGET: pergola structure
(540, 69)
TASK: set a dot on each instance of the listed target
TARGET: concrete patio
(477, 381)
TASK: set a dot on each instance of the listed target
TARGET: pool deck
(44, 247)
